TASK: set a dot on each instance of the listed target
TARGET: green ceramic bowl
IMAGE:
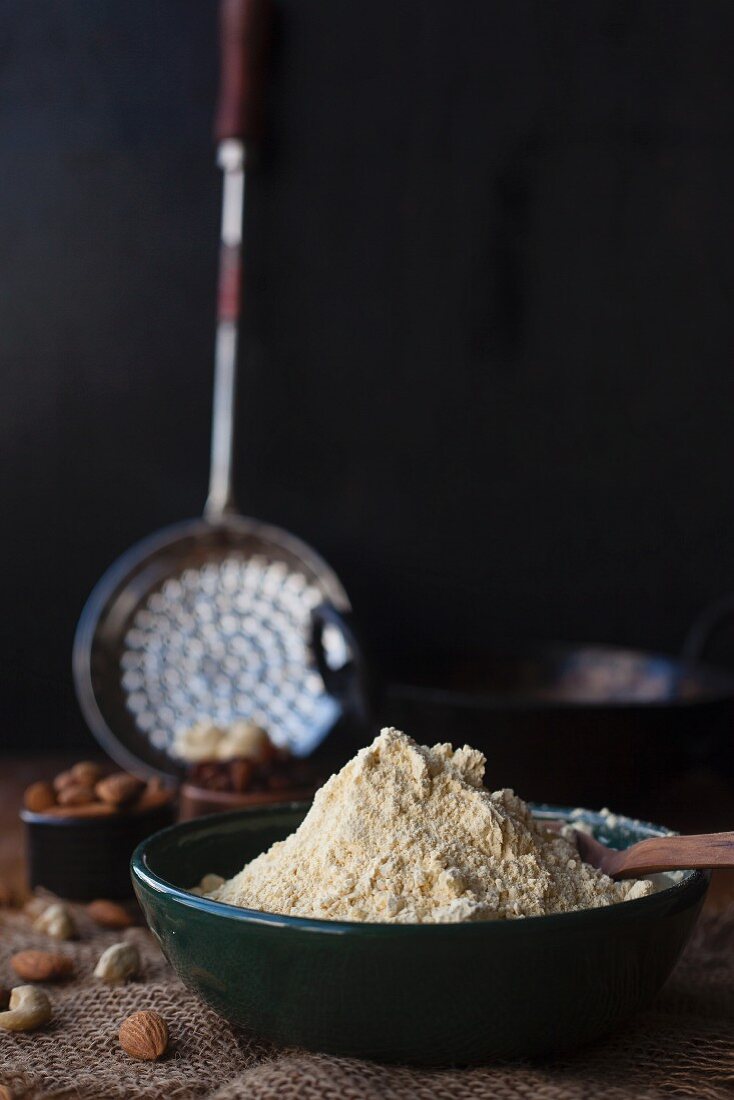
(427, 994)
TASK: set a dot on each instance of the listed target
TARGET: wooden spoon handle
(673, 853)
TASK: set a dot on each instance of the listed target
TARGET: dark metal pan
(577, 724)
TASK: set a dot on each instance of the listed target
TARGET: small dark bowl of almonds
(82, 827)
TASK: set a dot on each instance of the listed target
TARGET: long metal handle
(220, 501)
(244, 40)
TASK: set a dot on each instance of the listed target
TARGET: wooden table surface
(704, 804)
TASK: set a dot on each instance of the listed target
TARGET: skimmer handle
(245, 27)
(245, 35)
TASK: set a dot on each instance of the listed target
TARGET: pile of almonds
(86, 791)
(274, 771)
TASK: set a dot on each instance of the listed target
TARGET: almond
(154, 795)
(240, 773)
(41, 966)
(144, 1035)
(109, 914)
(87, 773)
(119, 789)
(39, 796)
(74, 794)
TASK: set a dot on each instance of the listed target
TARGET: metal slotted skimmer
(215, 618)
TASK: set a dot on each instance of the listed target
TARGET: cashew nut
(118, 963)
(56, 921)
(210, 883)
(35, 906)
(29, 1008)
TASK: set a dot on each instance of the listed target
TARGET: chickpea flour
(410, 835)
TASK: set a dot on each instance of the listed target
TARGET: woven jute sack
(682, 1047)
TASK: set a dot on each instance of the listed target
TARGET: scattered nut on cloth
(682, 1047)
(56, 921)
(117, 963)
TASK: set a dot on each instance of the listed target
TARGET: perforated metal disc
(207, 622)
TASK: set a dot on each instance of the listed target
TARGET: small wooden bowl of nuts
(84, 825)
(257, 774)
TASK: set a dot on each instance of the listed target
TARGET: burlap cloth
(683, 1046)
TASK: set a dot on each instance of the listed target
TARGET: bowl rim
(133, 814)
(688, 890)
(239, 799)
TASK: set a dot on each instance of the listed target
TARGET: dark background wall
(489, 349)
